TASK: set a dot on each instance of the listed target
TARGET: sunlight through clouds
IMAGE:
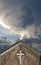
(3, 24)
(21, 17)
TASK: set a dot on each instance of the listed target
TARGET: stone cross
(20, 56)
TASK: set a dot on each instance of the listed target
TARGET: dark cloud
(33, 11)
(29, 17)
(32, 40)
(22, 15)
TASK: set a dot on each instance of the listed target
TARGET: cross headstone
(20, 56)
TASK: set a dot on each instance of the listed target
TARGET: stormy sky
(21, 17)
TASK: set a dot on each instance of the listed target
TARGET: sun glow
(3, 24)
(22, 35)
(25, 33)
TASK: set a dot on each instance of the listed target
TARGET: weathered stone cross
(20, 56)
